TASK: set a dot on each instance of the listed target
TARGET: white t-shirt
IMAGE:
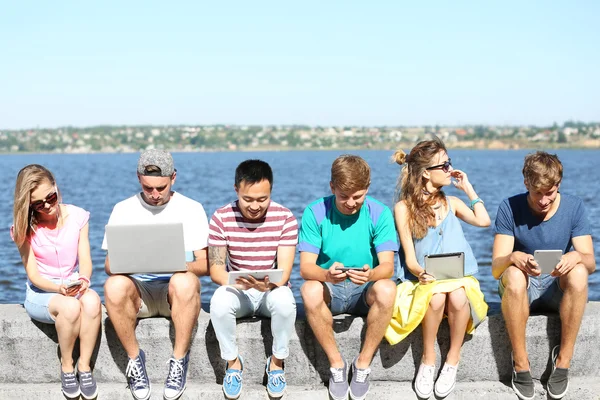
(190, 213)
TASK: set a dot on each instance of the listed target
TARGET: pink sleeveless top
(56, 250)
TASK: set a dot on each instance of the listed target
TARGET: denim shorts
(543, 291)
(348, 298)
(37, 301)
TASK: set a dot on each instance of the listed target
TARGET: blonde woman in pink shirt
(52, 239)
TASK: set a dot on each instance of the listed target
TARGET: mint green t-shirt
(353, 240)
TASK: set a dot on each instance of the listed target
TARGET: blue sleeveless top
(447, 237)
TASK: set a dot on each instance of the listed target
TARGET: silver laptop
(446, 265)
(145, 248)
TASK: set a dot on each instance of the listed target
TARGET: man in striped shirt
(249, 234)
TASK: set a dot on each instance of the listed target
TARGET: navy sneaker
(176, 380)
(232, 382)
(87, 384)
(276, 383)
(137, 377)
(69, 384)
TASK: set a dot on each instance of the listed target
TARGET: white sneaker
(424, 381)
(446, 381)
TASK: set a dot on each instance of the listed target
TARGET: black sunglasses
(445, 166)
(40, 204)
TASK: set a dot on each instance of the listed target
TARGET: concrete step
(485, 355)
(580, 388)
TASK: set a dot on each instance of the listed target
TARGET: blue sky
(311, 62)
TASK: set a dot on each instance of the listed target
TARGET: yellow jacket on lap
(412, 301)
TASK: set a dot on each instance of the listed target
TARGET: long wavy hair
(24, 218)
(411, 184)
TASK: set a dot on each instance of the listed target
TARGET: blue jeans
(228, 303)
(543, 291)
(348, 297)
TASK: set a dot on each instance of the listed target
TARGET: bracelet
(475, 201)
(84, 278)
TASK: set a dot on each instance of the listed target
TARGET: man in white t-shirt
(177, 295)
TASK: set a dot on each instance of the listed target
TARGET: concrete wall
(29, 351)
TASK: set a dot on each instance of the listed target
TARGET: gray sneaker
(558, 383)
(87, 384)
(338, 383)
(359, 384)
(522, 383)
(69, 384)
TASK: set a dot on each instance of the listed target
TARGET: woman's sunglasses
(445, 166)
(40, 204)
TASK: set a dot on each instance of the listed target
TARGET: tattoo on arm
(216, 255)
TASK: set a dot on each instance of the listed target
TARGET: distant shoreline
(492, 145)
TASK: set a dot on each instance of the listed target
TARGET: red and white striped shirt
(252, 245)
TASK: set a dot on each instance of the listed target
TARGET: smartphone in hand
(346, 269)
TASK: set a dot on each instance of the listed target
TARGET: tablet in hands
(547, 260)
(275, 275)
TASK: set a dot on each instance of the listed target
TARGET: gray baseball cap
(158, 158)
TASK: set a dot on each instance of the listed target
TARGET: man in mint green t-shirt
(347, 245)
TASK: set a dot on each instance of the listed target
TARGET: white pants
(229, 303)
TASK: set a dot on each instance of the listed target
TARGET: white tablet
(547, 259)
(275, 275)
(445, 265)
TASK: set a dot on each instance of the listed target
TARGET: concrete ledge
(29, 351)
(579, 389)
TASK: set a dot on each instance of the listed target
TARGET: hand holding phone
(335, 274)
(73, 288)
(346, 269)
(359, 275)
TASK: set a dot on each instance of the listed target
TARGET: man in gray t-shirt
(542, 219)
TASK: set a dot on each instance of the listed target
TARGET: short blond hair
(542, 170)
(350, 173)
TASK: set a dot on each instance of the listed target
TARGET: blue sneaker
(275, 381)
(232, 383)
(137, 377)
(176, 380)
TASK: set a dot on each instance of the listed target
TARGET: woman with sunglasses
(52, 239)
(428, 223)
